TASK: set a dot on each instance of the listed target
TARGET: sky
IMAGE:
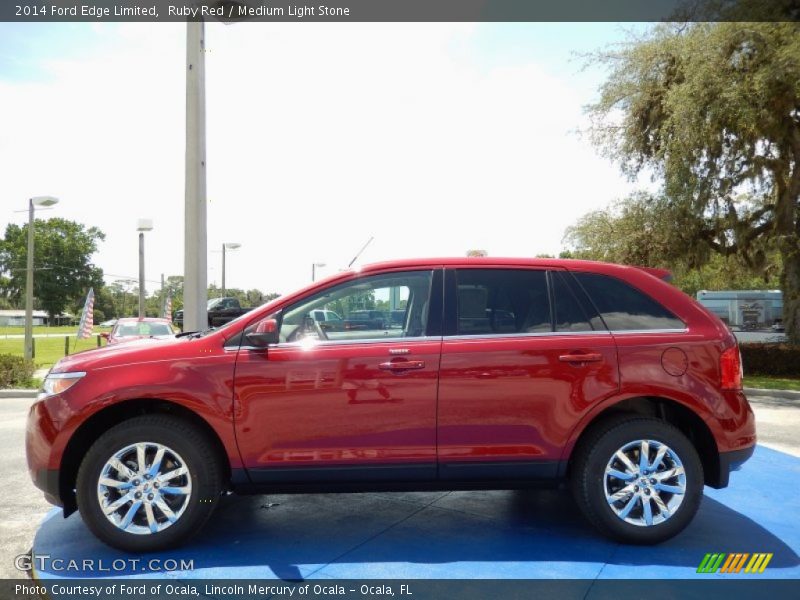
(431, 138)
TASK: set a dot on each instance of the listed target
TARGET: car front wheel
(149, 483)
(638, 480)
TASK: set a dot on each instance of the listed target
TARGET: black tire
(199, 456)
(588, 479)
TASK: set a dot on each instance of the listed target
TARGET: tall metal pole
(29, 288)
(195, 284)
(223, 270)
(141, 275)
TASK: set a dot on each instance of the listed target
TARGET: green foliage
(250, 298)
(637, 230)
(769, 382)
(713, 110)
(15, 371)
(727, 273)
(645, 230)
(63, 272)
(781, 360)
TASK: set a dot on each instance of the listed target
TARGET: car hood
(130, 352)
(133, 338)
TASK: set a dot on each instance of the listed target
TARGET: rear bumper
(732, 461)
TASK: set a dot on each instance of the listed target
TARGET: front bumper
(47, 481)
(40, 436)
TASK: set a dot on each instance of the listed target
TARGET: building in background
(16, 318)
(745, 309)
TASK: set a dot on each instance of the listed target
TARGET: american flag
(87, 317)
(168, 309)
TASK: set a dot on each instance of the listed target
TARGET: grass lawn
(48, 350)
(40, 330)
(65, 329)
(766, 382)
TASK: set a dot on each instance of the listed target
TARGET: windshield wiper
(195, 334)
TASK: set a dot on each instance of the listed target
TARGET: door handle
(581, 358)
(402, 365)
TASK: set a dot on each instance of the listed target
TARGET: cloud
(319, 136)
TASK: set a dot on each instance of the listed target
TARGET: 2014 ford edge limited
(502, 374)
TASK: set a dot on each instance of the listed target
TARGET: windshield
(243, 317)
(142, 329)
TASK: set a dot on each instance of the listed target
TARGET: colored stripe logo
(732, 563)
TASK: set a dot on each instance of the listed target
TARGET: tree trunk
(787, 228)
(790, 286)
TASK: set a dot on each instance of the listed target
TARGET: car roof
(496, 261)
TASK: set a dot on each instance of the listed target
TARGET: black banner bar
(398, 10)
(745, 587)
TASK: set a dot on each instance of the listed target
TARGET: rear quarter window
(625, 308)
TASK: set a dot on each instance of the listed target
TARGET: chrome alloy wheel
(144, 488)
(644, 482)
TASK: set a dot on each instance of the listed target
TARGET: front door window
(372, 308)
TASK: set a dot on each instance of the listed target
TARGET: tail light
(730, 366)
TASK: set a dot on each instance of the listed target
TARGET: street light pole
(314, 270)
(227, 246)
(38, 201)
(144, 225)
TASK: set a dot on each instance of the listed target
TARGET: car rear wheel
(149, 483)
(638, 480)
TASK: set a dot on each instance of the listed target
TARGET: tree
(641, 229)
(644, 230)
(251, 298)
(713, 110)
(63, 271)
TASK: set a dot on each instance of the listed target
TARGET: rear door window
(570, 313)
(502, 301)
(623, 307)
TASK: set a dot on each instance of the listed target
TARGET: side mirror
(105, 335)
(266, 333)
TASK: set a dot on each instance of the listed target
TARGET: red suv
(503, 374)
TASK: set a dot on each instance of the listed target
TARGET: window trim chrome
(542, 334)
(478, 336)
(329, 343)
(646, 331)
(563, 334)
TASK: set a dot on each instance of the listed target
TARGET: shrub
(781, 360)
(15, 371)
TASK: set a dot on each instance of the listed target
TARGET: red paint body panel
(499, 398)
(333, 405)
(513, 399)
(196, 374)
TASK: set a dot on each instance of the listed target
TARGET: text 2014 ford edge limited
(502, 374)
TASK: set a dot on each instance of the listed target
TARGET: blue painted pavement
(494, 534)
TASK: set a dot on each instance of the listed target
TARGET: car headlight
(58, 383)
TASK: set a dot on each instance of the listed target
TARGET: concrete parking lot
(438, 535)
(22, 506)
